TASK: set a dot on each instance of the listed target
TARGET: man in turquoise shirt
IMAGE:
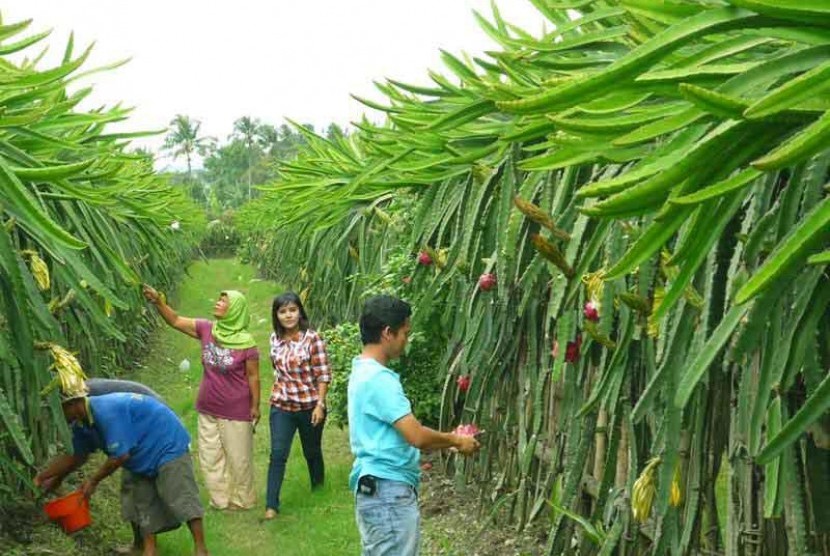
(386, 438)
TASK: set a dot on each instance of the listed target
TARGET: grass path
(310, 523)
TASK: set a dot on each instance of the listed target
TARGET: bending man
(145, 437)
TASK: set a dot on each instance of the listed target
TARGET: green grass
(310, 523)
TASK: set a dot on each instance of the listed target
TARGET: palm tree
(183, 139)
(247, 130)
(268, 138)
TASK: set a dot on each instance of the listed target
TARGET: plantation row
(82, 223)
(612, 235)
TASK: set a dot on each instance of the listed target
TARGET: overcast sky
(217, 61)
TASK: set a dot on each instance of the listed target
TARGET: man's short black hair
(379, 312)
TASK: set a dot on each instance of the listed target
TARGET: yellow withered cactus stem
(39, 269)
(536, 214)
(645, 488)
(442, 257)
(383, 215)
(653, 322)
(642, 495)
(56, 304)
(676, 496)
(71, 376)
(552, 253)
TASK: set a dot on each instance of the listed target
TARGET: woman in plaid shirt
(298, 398)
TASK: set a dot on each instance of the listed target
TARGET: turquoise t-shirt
(376, 401)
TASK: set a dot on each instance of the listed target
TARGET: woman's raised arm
(182, 324)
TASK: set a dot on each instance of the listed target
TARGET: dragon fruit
(467, 430)
(572, 350)
(463, 383)
(487, 282)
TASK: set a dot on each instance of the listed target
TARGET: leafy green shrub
(420, 374)
(422, 377)
(343, 343)
(221, 238)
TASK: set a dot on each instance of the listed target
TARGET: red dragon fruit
(572, 350)
(487, 281)
(467, 430)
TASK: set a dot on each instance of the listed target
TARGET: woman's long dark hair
(281, 301)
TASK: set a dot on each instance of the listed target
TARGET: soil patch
(25, 529)
(453, 524)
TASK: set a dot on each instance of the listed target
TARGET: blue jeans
(389, 521)
(283, 426)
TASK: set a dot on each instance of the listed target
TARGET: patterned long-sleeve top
(299, 366)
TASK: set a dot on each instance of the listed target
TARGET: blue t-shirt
(376, 401)
(136, 424)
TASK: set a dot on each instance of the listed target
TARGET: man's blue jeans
(389, 521)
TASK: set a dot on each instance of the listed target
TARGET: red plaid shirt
(298, 367)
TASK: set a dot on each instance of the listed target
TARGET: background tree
(183, 139)
(226, 174)
(268, 138)
(334, 131)
(247, 129)
(232, 170)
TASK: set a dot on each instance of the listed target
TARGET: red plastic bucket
(70, 511)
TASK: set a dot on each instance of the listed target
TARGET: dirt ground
(453, 525)
(25, 530)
